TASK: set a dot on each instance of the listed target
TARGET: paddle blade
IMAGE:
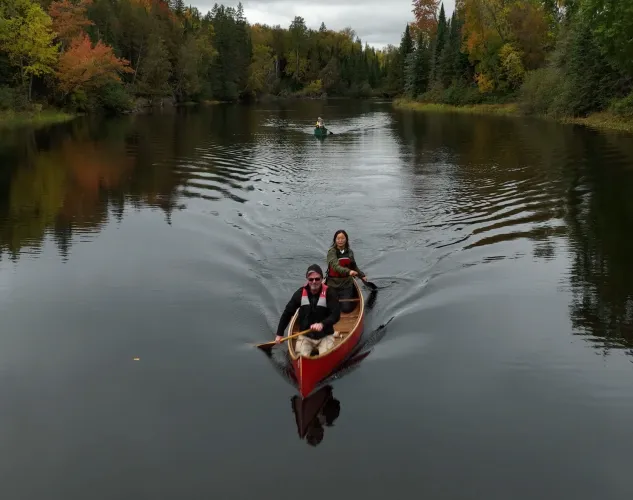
(267, 347)
(371, 285)
(371, 300)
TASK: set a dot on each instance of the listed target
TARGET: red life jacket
(343, 261)
(322, 302)
(308, 315)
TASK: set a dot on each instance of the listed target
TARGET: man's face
(314, 280)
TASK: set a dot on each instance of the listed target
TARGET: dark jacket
(310, 314)
(333, 256)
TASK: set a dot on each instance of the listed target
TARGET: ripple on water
(489, 213)
(466, 227)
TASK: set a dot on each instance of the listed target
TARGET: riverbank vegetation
(87, 55)
(36, 117)
(566, 59)
(507, 109)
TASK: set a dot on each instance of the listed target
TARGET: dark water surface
(502, 248)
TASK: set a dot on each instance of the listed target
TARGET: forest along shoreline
(93, 56)
(603, 121)
(567, 60)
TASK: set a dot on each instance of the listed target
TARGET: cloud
(376, 22)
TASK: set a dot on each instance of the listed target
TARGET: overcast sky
(377, 22)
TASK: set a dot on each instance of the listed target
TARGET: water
(501, 249)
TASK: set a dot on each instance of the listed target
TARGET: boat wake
(401, 346)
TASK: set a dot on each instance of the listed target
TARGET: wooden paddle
(267, 346)
(368, 284)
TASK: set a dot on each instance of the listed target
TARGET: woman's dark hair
(346, 238)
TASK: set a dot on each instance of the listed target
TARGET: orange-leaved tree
(87, 67)
(69, 19)
(425, 13)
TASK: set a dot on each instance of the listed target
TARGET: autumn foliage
(504, 39)
(26, 40)
(84, 66)
(175, 52)
(69, 19)
(425, 13)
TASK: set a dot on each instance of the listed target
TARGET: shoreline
(51, 116)
(509, 109)
(600, 121)
(16, 119)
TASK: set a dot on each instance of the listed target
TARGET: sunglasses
(314, 279)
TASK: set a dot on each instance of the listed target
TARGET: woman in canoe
(342, 268)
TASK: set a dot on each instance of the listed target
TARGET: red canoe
(311, 370)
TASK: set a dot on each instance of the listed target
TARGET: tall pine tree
(417, 68)
(406, 47)
(438, 44)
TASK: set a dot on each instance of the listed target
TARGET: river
(141, 258)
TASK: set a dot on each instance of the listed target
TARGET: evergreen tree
(174, 50)
(406, 47)
(155, 70)
(438, 45)
(453, 63)
(417, 68)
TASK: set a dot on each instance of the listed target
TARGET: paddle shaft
(366, 283)
(285, 338)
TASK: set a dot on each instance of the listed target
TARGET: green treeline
(555, 57)
(83, 55)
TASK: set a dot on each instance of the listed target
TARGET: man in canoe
(320, 123)
(319, 310)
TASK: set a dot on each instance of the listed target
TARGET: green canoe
(320, 132)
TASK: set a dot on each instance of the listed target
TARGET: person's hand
(317, 327)
(364, 278)
(353, 273)
(278, 339)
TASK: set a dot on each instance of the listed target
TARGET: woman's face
(341, 240)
